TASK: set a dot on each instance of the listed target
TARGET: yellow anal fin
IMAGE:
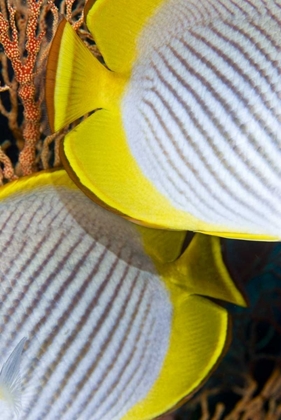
(116, 26)
(204, 271)
(199, 338)
(76, 82)
(97, 156)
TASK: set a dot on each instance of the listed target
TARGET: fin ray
(10, 381)
(76, 82)
(209, 275)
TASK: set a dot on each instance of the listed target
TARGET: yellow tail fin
(76, 82)
(204, 272)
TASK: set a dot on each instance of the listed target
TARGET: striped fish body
(189, 135)
(101, 317)
(202, 111)
(67, 275)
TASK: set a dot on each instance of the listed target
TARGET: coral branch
(7, 171)
(4, 88)
(23, 60)
(26, 30)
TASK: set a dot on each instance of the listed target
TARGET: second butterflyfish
(101, 319)
(187, 128)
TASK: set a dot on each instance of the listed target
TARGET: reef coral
(26, 31)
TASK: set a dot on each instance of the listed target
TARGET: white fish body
(188, 132)
(106, 323)
(67, 276)
(202, 110)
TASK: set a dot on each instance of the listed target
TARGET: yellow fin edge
(97, 157)
(37, 180)
(200, 335)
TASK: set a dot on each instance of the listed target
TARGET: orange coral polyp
(24, 69)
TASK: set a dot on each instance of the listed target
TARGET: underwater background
(247, 383)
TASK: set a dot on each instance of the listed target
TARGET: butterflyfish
(121, 322)
(186, 132)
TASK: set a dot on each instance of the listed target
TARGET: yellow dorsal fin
(76, 82)
(116, 26)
